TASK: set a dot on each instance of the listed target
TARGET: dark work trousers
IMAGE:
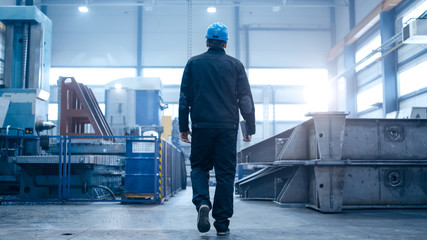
(214, 147)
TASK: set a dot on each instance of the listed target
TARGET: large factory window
(169, 76)
(415, 13)
(314, 98)
(413, 79)
(369, 96)
(260, 115)
(367, 49)
(91, 76)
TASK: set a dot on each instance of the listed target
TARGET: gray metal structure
(331, 163)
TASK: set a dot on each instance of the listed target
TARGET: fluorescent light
(211, 9)
(83, 9)
(118, 86)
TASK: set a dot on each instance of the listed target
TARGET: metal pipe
(24, 54)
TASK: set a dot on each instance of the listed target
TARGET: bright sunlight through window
(366, 50)
(413, 79)
(415, 13)
(370, 97)
(316, 90)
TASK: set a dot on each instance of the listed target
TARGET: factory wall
(107, 36)
(369, 78)
(165, 33)
(342, 22)
(411, 66)
(279, 39)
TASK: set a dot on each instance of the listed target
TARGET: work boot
(203, 219)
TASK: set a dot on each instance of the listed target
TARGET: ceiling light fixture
(211, 9)
(83, 9)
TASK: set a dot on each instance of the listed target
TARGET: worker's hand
(247, 138)
(184, 136)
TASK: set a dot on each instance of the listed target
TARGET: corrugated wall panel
(105, 36)
(289, 49)
(291, 16)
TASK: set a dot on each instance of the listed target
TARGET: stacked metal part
(331, 163)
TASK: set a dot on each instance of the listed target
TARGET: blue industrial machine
(25, 40)
(25, 34)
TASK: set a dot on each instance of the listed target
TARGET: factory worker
(214, 88)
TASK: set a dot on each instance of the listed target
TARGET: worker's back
(214, 75)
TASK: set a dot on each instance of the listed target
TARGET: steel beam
(330, 163)
(389, 68)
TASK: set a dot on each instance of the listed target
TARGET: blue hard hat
(217, 31)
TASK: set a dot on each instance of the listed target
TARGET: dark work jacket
(214, 87)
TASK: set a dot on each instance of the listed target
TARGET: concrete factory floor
(176, 219)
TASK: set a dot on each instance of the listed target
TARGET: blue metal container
(142, 168)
